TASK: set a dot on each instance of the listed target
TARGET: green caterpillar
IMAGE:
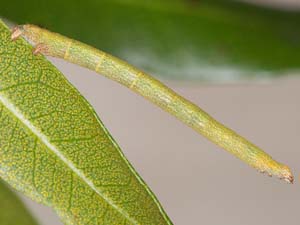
(56, 45)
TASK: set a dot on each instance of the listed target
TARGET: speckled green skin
(12, 210)
(54, 148)
(56, 45)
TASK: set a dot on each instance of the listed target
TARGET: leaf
(56, 150)
(12, 209)
(182, 39)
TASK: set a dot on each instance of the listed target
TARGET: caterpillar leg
(40, 48)
(16, 33)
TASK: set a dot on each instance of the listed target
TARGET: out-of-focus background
(256, 95)
(281, 4)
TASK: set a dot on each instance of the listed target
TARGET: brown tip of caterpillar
(283, 174)
(287, 175)
(16, 33)
(289, 179)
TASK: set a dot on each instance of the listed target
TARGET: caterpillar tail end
(283, 173)
(287, 175)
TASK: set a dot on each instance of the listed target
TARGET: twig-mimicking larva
(56, 45)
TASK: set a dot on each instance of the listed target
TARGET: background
(196, 181)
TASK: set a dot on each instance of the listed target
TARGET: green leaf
(55, 149)
(12, 209)
(208, 40)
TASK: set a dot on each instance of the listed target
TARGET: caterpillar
(53, 44)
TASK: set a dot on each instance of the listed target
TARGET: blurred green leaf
(12, 210)
(210, 40)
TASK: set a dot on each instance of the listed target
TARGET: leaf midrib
(54, 149)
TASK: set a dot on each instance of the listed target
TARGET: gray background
(197, 182)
